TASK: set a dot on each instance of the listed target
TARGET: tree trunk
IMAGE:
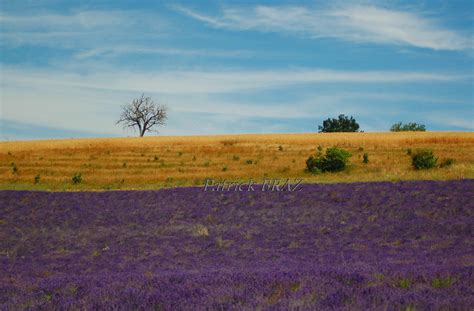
(140, 131)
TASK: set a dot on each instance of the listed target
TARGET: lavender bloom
(360, 246)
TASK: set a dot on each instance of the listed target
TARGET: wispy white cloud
(98, 34)
(81, 21)
(123, 50)
(76, 20)
(216, 22)
(80, 28)
(458, 120)
(208, 82)
(353, 23)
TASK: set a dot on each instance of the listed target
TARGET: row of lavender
(390, 246)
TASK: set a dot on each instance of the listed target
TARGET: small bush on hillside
(249, 161)
(447, 162)
(424, 159)
(37, 179)
(236, 158)
(280, 148)
(335, 159)
(366, 158)
(14, 168)
(409, 152)
(410, 126)
(77, 178)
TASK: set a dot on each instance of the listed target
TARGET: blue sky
(222, 67)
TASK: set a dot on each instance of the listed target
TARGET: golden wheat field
(156, 162)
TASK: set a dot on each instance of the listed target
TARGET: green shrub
(311, 166)
(14, 168)
(408, 127)
(409, 151)
(424, 159)
(366, 158)
(224, 169)
(37, 179)
(447, 162)
(77, 178)
(335, 159)
(341, 124)
(249, 161)
(236, 158)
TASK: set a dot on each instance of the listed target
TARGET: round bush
(77, 178)
(424, 159)
(335, 159)
(366, 158)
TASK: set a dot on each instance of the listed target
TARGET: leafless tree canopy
(143, 113)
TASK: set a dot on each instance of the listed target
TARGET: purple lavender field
(361, 246)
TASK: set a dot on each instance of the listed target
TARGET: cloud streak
(99, 34)
(80, 29)
(80, 21)
(363, 24)
(214, 82)
(146, 50)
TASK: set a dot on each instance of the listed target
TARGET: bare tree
(143, 113)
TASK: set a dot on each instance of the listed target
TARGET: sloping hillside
(155, 162)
